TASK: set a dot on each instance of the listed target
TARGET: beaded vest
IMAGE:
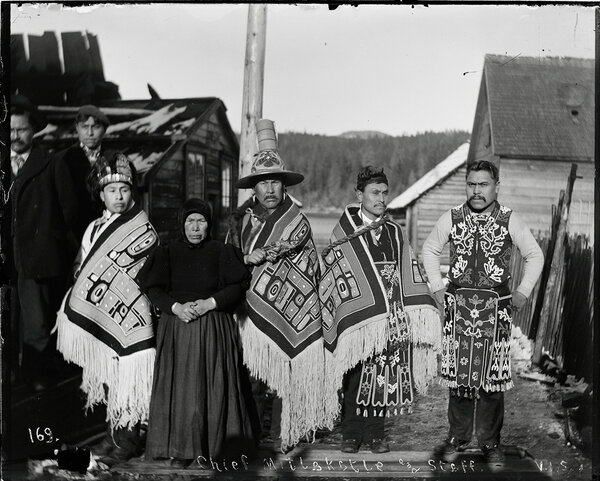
(480, 247)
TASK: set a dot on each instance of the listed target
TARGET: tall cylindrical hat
(267, 162)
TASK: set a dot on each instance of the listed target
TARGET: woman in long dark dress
(198, 398)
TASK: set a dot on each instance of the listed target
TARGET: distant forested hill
(330, 164)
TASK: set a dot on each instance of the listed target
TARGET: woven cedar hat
(267, 162)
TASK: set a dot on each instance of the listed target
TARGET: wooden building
(181, 148)
(534, 118)
(421, 205)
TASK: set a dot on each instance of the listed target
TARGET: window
(226, 169)
(195, 175)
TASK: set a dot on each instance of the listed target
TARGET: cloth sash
(355, 308)
(105, 322)
(476, 341)
(281, 330)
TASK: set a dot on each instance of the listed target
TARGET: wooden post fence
(556, 269)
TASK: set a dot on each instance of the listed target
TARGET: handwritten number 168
(41, 436)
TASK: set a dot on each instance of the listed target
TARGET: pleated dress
(201, 400)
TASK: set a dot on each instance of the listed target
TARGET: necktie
(16, 163)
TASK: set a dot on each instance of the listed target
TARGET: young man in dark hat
(105, 325)
(90, 124)
(281, 331)
(44, 216)
(380, 323)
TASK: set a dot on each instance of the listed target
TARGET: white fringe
(300, 382)
(360, 344)
(425, 326)
(128, 378)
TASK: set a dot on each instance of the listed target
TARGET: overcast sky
(396, 69)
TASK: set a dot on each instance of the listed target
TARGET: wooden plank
(96, 67)
(43, 57)
(315, 461)
(557, 261)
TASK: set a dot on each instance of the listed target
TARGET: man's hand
(185, 312)
(439, 299)
(202, 306)
(256, 257)
(518, 301)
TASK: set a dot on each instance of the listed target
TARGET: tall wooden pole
(254, 74)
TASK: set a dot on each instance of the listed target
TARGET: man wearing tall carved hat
(381, 327)
(105, 323)
(281, 328)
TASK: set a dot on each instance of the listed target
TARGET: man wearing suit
(44, 215)
(91, 124)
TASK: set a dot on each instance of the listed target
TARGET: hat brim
(288, 178)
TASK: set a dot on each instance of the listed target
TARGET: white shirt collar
(25, 155)
(366, 220)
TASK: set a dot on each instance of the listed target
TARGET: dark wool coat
(79, 166)
(44, 217)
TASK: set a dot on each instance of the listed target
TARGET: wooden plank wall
(531, 187)
(430, 206)
(168, 188)
(167, 196)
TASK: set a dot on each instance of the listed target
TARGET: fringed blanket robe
(281, 330)
(377, 309)
(105, 322)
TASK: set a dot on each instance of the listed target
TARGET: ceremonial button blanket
(105, 322)
(357, 311)
(281, 330)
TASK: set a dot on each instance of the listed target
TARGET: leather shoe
(379, 446)
(350, 446)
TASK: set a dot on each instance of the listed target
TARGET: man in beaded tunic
(478, 307)
(380, 323)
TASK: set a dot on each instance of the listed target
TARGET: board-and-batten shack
(534, 118)
(181, 148)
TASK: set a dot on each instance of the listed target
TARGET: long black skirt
(199, 404)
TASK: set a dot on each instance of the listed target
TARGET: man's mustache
(477, 197)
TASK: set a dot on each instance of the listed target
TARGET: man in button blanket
(380, 323)
(105, 323)
(281, 328)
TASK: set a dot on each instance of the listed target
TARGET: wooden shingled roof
(540, 107)
(145, 130)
